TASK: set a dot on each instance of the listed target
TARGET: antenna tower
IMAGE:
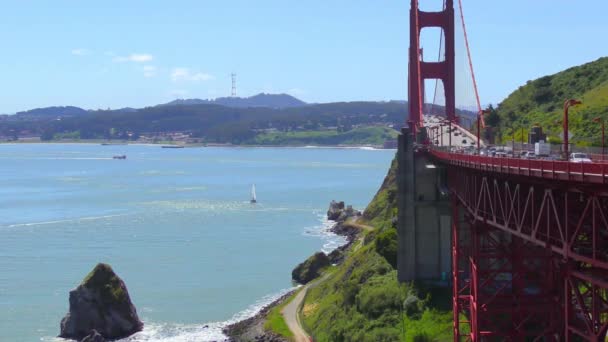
(233, 85)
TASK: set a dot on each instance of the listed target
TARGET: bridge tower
(419, 70)
(528, 239)
(424, 217)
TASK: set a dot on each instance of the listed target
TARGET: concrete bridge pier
(424, 221)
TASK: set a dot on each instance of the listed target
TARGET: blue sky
(117, 53)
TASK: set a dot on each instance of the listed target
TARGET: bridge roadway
(595, 173)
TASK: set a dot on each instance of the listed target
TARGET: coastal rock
(310, 269)
(252, 329)
(335, 210)
(338, 212)
(336, 256)
(346, 230)
(94, 336)
(101, 302)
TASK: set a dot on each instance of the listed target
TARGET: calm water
(175, 224)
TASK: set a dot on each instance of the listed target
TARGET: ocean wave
(331, 240)
(203, 332)
(206, 332)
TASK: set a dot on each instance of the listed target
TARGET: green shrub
(386, 245)
(375, 300)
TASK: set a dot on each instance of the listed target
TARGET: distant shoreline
(192, 145)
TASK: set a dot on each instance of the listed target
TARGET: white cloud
(185, 74)
(149, 70)
(134, 57)
(80, 52)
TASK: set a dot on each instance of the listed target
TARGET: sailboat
(253, 199)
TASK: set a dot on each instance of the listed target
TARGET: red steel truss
(529, 237)
(530, 256)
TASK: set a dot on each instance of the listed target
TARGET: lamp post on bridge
(567, 104)
(600, 120)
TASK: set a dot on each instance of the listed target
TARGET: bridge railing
(552, 169)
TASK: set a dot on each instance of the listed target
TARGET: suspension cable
(466, 41)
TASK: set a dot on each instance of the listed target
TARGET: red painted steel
(420, 70)
(594, 173)
(529, 237)
(538, 250)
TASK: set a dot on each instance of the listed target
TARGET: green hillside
(541, 101)
(375, 135)
(361, 299)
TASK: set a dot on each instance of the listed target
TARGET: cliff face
(361, 299)
(102, 303)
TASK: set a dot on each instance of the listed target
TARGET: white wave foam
(330, 239)
(172, 332)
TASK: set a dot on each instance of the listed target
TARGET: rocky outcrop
(93, 336)
(100, 303)
(338, 212)
(311, 268)
(334, 211)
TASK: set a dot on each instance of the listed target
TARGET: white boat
(253, 198)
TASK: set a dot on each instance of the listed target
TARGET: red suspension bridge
(529, 238)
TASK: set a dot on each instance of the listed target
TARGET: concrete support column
(406, 226)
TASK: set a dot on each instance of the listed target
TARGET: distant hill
(67, 111)
(340, 122)
(277, 101)
(541, 101)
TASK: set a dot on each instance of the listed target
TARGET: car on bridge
(580, 158)
(528, 155)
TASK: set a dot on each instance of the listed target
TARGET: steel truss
(530, 258)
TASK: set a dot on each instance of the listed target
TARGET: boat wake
(78, 219)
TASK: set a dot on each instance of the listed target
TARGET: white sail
(253, 198)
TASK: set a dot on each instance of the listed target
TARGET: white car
(579, 158)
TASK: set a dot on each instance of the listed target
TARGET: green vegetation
(275, 321)
(311, 268)
(541, 102)
(103, 279)
(345, 123)
(361, 300)
(374, 135)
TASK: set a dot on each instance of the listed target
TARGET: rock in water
(335, 209)
(94, 336)
(100, 303)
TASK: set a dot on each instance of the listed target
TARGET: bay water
(175, 224)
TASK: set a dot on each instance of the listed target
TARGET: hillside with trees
(541, 102)
(318, 124)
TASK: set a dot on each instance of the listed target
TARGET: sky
(136, 53)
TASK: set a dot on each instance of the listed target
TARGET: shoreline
(125, 143)
(252, 328)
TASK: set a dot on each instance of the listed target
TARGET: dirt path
(290, 313)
